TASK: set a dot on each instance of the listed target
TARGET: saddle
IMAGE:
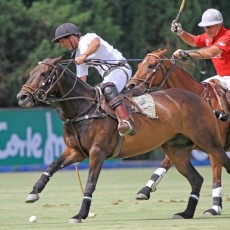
(134, 103)
(220, 89)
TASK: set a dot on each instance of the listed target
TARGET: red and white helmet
(211, 17)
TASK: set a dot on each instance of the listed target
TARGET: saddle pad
(147, 106)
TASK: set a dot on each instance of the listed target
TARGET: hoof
(211, 212)
(74, 221)
(176, 216)
(182, 215)
(31, 198)
(141, 196)
(144, 194)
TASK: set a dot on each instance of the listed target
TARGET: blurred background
(135, 27)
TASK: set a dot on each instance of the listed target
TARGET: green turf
(113, 202)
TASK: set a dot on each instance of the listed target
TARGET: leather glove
(181, 54)
(176, 28)
(184, 54)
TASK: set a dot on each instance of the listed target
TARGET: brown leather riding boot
(124, 127)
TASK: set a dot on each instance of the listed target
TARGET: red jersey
(222, 41)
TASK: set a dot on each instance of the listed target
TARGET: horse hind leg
(181, 159)
(151, 185)
(207, 138)
(63, 161)
(216, 150)
(216, 208)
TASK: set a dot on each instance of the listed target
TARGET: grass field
(113, 202)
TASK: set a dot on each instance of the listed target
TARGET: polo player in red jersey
(214, 44)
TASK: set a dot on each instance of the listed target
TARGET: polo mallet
(91, 214)
(180, 11)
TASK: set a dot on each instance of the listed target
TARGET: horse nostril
(22, 97)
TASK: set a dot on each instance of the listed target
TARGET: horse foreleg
(151, 185)
(95, 166)
(216, 189)
(181, 159)
(68, 157)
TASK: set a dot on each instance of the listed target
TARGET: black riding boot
(116, 101)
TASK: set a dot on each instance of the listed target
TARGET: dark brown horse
(156, 72)
(90, 132)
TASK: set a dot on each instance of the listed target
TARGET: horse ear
(162, 52)
(58, 59)
(156, 51)
(165, 51)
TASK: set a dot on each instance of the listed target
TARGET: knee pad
(111, 94)
(109, 90)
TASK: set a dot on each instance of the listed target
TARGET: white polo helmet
(211, 17)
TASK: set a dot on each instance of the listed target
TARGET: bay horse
(90, 130)
(157, 72)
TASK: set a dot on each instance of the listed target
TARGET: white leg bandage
(157, 175)
(217, 194)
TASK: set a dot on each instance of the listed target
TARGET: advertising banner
(30, 136)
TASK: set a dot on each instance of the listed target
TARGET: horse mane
(72, 74)
(161, 54)
(184, 71)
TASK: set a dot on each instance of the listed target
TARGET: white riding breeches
(119, 76)
(224, 79)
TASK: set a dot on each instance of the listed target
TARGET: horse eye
(151, 66)
(43, 74)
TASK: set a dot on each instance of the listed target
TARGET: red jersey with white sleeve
(222, 41)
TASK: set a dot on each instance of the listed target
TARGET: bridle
(165, 75)
(41, 94)
(154, 70)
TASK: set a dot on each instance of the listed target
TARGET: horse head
(51, 82)
(157, 71)
(39, 82)
(147, 69)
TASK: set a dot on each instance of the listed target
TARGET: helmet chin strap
(73, 48)
(219, 26)
(218, 29)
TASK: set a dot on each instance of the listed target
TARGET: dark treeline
(135, 27)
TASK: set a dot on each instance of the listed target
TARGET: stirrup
(125, 128)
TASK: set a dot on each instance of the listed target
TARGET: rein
(106, 65)
(165, 76)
